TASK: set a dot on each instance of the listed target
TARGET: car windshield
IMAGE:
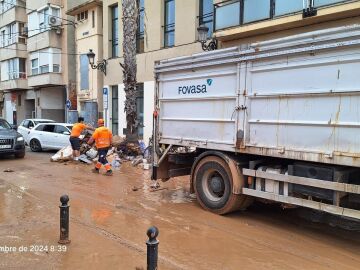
(69, 127)
(4, 124)
(42, 122)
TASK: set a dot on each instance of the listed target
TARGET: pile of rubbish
(121, 151)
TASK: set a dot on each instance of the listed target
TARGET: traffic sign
(68, 104)
(105, 98)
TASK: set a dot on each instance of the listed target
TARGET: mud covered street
(109, 219)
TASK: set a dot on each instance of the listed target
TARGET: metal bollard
(152, 248)
(64, 220)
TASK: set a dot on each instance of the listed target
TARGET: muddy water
(109, 221)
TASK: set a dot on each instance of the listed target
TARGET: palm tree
(130, 21)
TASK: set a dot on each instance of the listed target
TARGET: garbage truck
(276, 120)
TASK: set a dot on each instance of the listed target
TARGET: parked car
(29, 124)
(11, 142)
(49, 136)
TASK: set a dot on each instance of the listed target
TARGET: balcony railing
(15, 75)
(232, 13)
(12, 40)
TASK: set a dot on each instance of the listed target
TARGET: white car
(49, 136)
(29, 124)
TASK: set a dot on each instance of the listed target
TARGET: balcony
(45, 79)
(44, 40)
(14, 14)
(17, 80)
(242, 18)
(12, 49)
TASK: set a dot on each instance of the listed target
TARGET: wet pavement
(109, 221)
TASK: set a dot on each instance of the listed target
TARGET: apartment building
(167, 28)
(88, 36)
(37, 59)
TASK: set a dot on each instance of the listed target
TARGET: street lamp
(101, 65)
(202, 38)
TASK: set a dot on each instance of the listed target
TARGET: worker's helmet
(101, 122)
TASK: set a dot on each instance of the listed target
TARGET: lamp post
(202, 38)
(101, 65)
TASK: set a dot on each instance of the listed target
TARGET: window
(114, 31)
(48, 128)
(115, 109)
(31, 125)
(45, 61)
(25, 123)
(93, 18)
(256, 10)
(283, 7)
(84, 72)
(38, 21)
(2, 40)
(227, 15)
(19, 100)
(13, 69)
(82, 16)
(40, 128)
(141, 27)
(140, 108)
(319, 3)
(61, 129)
(169, 27)
(206, 15)
(35, 66)
(6, 5)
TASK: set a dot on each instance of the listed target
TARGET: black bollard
(64, 220)
(152, 248)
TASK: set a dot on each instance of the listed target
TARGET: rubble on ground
(121, 151)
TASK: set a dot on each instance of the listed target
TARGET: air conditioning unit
(54, 21)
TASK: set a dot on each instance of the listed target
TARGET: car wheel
(35, 145)
(20, 155)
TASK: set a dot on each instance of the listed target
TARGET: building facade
(167, 28)
(88, 36)
(37, 59)
(243, 21)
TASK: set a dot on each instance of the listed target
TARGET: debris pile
(121, 151)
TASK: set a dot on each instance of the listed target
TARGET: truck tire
(213, 184)
(35, 145)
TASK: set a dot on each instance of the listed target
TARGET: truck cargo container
(277, 120)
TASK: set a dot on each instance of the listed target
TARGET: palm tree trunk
(130, 17)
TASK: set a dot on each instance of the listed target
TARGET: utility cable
(36, 29)
(13, 49)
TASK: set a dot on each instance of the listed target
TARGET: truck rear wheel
(213, 184)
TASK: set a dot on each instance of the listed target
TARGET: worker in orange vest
(76, 131)
(103, 139)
